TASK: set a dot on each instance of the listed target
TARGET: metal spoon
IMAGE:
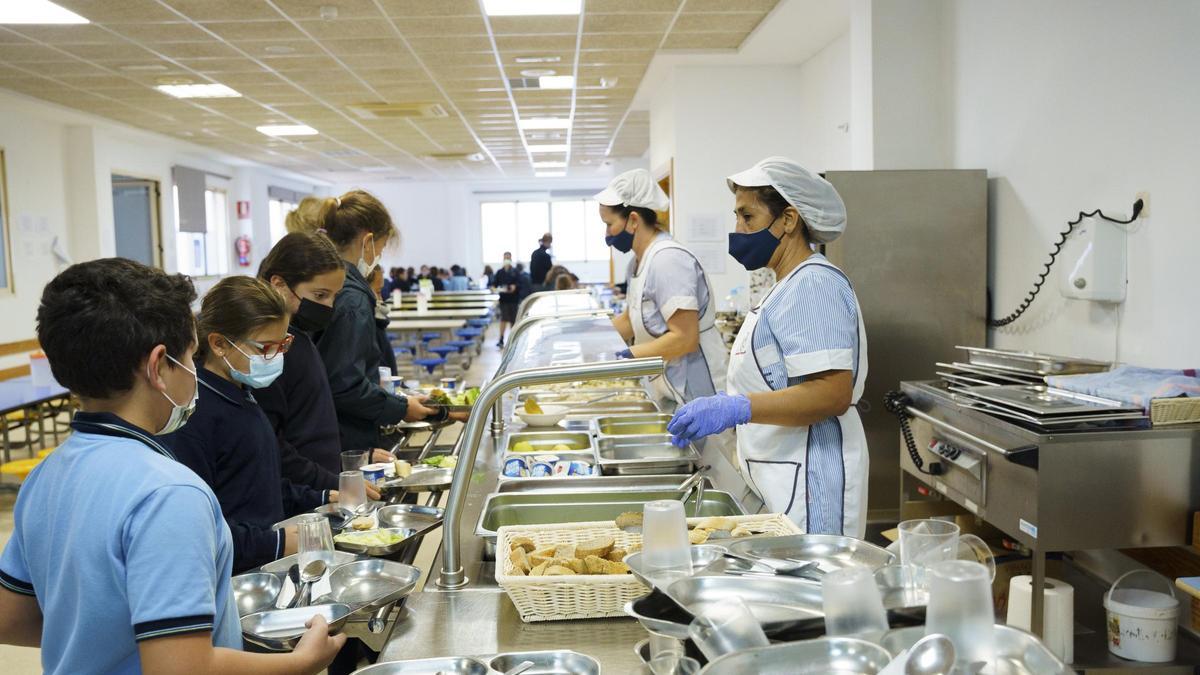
(519, 668)
(931, 655)
(775, 564)
(310, 575)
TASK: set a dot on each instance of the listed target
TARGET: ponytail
(347, 217)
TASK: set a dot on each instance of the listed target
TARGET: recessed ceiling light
(549, 165)
(38, 12)
(537, 72)
(549, 148)
(198, 90)
(556, 81)
(608, 82)
(549, 174)
(545, 123)
(531, 7)
(537, 59)
(287, 130)
(279, 49)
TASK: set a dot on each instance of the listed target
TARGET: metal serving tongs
(695, 482)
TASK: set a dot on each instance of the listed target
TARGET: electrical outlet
(1145, 197)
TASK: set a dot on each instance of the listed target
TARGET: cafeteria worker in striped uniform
(799, 362)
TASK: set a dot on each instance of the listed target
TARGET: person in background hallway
(541, 261)
(228, 441)
(120, 560)
(506, 283)
(424, 272)
(360, 227)
(489, 276)
(459, 281)
(437, 279)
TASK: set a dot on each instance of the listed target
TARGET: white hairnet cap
(634, 188)
(816, 200)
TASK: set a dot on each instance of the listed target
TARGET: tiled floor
(26, 661)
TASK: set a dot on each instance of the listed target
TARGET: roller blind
(190, 184)
(285, 195)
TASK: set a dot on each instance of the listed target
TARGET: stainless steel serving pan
(256, 592)
(372, 583)
(1046, 401)
(631, 455)
(632, 425)
(281, 566)
(777, 602)
(543, 442)
(550, 662)
(450, 665)
(1033, 362)
(366, 549)
(822, 656)
(594, 483)
(1017, 652)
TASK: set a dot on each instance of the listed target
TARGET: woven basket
(1165, 411)
(586, 596)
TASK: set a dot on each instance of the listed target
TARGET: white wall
(59, 167)
(1075, 105)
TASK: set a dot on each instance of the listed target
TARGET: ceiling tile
(311, 9)
(254, 30)
(69, 34)
(71, 68)
(621, 41)
(628, 6)
(23, 53)
(224, 10)
(294, 64)
(197, 50)
(412, 27)
(430, 7)
(438, 45)
(154, 33)
(626, 23)
(115, 11)
(603, 56)
(262, 49)
(113, 52)
(718, 23)
(353, 29)
(375, 46)
(534, 43)
(218, 66)
(763, 6)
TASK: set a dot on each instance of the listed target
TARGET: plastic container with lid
(1142, 624)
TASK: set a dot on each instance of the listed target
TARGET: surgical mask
(622, 241)
(312, 317)
(180, 413)
(753, 250)
(507, 263)
(263, 371)
(364, 268)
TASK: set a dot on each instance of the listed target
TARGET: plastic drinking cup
(352, 490)
(674, 664)
(353, 460)
(315, 540)
(726, 626)
(666, 551)
(926, 542)
(960, 606)
(852, 602)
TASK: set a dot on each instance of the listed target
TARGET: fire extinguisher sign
(243, 210)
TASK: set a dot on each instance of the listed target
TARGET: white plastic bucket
(1142, 625)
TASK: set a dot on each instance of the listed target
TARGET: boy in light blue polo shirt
(120, 558)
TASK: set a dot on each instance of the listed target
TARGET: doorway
(135, 216)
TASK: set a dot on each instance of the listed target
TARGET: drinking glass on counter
(726, 626)
(315, 540)
(353, 460)
(960, 606)
(925, 542)
(666, 552)
(852, 602)
(352, 490)
(674, 664)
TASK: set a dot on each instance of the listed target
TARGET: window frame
(518, 198)
(9, 277)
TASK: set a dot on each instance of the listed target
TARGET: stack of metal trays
(1048, 409)
(1000, 367)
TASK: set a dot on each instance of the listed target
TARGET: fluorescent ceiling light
(550, 174)
(549, 165)
(549, 148)
(531, 7)
(545, 123)
(198, 90)
(556, 81)
(37, 11)
(538, 72)
(287, 130)
(538, 59)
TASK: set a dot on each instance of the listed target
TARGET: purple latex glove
(624, 354)
(707, 416)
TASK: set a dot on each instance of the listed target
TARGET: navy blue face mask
(753, 250)
(622, 241)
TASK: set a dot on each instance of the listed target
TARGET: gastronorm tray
(447, 665)
(1000, 376)
(632, 425)
(1017, 652)
(543, 442)
(366, 549)
(1033, 362)
(1041, 400)
(281, 566)
(830, 551)
(1047, 421)
(777, 602)
(822, 656)
(595, 483)
(632, 455)
(281, 629)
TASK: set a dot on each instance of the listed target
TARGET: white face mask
(363, 268)
(180, 413)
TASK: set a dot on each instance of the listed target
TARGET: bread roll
(523, 542)
(559, 571)
(697, 536)
(617, 555)
(717, 523)
(599, 547)
(539, 570)
(520, 560)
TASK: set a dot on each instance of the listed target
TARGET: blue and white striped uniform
(809, 323)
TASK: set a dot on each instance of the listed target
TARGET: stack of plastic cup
(673, 664)
(314, 540)
(924, 543)
(726, 626)
(353, 460)
(852, 602)
(666, 552)
(960, 606)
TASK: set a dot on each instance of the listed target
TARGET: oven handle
(1021, 455)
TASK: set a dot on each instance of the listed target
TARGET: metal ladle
(931, 655)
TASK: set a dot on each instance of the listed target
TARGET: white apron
(774, 458)
(711, 345)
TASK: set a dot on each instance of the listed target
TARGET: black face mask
(312, 316)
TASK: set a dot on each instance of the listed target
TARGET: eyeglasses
(272, 348)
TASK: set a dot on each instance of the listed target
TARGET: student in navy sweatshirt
(228, 441)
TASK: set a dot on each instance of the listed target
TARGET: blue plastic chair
(430, 364)
(442, 350)
(468, 332)
(478, 323)
(426, 337)
(461, 344)
(409, 346)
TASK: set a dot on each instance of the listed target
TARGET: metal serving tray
(421, 519)
(1132, 420)
(372, 584)
(282, 565)
(830, 551)
(595, 483)
(1017, 652)
(576, 505)
(777, 602)
(1043, 401)
(632, 425)
(998, 375)
(550, 662)
(281, 629)
(364, 549)
(1033, 362)
(543, 442)
(822, 656)
(631, 455)
(450, 665)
